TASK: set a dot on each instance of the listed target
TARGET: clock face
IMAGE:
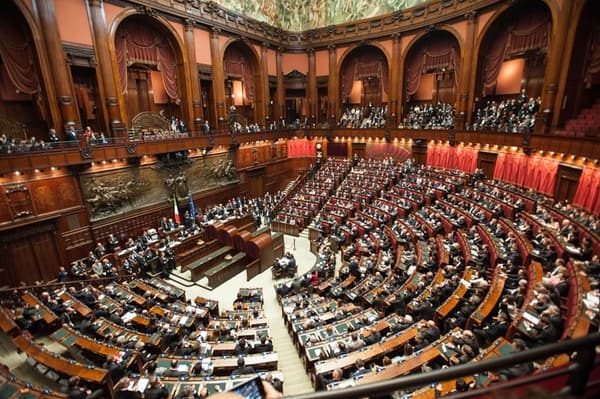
(318, 146)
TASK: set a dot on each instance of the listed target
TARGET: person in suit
(494, 330)
(242, 368)
(323, 381)
(264, 345)
(374, 336)
(242, 348)
(174, 371)
(76, 390)
(156, 390)
(122, 390)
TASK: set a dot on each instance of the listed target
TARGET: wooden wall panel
(52, 195)
(567, 180)
(5, 212)
(486, 161)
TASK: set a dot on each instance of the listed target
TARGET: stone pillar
(394, 104)
(107, 77)
(555, 63)
(280, 97)
(333, 92)
(312, 93)
(466, 81)
(61, 73)
(218, 78)
(197, 111)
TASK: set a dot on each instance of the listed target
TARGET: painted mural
(301, 15)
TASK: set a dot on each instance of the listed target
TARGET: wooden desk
(72, 302)
(60, 364)
(223, 365)
(199, 267)
(489, 302)
(408, 365)
(449, 304)
(391, 343)
(7, 323)
(226, 270)
(68, 337)
(42, 313)
(170, 289)
(12, 388)
(141, 286)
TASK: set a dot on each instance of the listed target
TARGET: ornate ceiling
(302, 15)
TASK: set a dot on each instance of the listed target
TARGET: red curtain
(16, 52)
(536, 173)
(511, 168)
(445, 156)
(467, 159)
(138, 43)
(365, 62)
(301, 148)
(236, 63)
(588, 190)
(442, 53)
(527, 32)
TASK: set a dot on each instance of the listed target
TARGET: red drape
(442, 53)
(301, 148)
(138, 43)
(445, 156)
(236, 63)
(16, 52)
(588, 190)
(527, 32)
(368, 62)
(536, 173)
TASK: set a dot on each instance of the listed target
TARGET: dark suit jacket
(156, 393)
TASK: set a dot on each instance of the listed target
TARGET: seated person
(242, 369)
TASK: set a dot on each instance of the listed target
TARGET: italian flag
(176, 211)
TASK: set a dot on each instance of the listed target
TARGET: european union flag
(192, 209)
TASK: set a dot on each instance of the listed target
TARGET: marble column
(218, 78)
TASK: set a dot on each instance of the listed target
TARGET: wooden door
(30, 254)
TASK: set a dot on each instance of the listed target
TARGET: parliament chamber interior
(341, 199)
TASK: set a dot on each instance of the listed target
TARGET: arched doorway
(365, 82)
(150, 68)
(511, 66)
(23, 110)
(242, 83)
(431, 78)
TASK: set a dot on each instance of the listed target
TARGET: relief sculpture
(119, 191)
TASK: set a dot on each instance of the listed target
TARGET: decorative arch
(157, 46)
(242, 74)
(365, 62)
(515, 29)
(438, 51)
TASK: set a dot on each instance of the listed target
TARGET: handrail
(579, 368)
